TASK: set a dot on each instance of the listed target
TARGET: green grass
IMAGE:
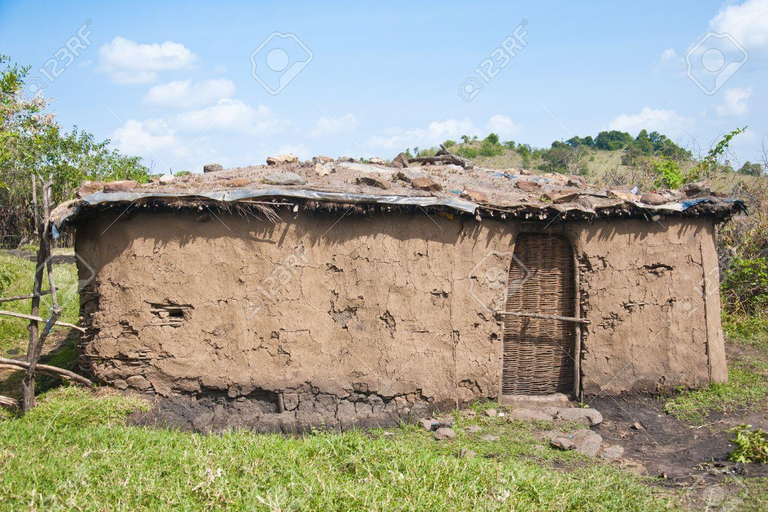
(72, 452)
(747, 386)
(16, 278)
(747, 374)
(752, 330)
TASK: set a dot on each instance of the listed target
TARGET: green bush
(466, 152)
(745, 285)
(668, 174)
(490, 149)
(751, 445)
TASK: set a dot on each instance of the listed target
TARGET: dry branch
(22, 297)
(52, 371)
(8, 402)
(443, 156)
(39, 319)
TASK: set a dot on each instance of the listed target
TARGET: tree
(465, 139)
(492, 138)
(33, 144)
(613, 140)
(751, 169)
(576, 141)
(564, 158)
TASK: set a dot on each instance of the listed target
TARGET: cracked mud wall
(651, 292)
(317, 320)
(316, 315)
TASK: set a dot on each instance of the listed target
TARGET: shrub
(668, 174)
(745, 285)
(751, 445)
(490, 149)
(466, 152)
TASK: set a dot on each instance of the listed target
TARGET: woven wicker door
(539, 353)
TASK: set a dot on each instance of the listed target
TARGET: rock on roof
(333, 184)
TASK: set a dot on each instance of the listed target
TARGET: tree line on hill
(654, 153)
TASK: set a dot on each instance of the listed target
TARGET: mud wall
(651, 292)
(364, 320)
(314, 316)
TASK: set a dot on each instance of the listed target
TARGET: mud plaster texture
(359, 321)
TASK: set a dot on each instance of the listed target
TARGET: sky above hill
(187, 83)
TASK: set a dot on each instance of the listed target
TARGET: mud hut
(343, 293)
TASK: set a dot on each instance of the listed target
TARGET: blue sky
(173, 82)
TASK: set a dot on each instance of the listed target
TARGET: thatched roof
(367, 188)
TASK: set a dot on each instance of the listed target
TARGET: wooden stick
(35, 348)
(39, 319)
(22, 297)
(8, 402)
(53, 371)
(547, 317)
(34, 202)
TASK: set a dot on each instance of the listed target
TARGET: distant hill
(650, 160)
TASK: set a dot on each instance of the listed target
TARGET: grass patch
(16, 278)
(747, 386)
(72, 452)
(751, 329)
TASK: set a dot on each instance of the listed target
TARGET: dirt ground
(694, 458)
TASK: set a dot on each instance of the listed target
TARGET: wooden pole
(22, 297)
(39, 319)
(34, 202)
(12, 364)
(547, 317)
(8, 402)
(36, 342)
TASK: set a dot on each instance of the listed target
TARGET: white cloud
(502, 126)
(230, 116)
(144, 137)
(735, 102)
(185, 94)
(300, 150)
(438, 131)
(670, 60)
(667, 122)
(130, 62)
(326, 126)
(747, 23)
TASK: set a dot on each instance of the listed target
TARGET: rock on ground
(323, 169)
(612, 452)
(587, 417)
(372, 181)
(282, 159)
(212, 168)
(284, 178)
(120, 186)
(546, 414)
(583, 441)
(444, 433)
